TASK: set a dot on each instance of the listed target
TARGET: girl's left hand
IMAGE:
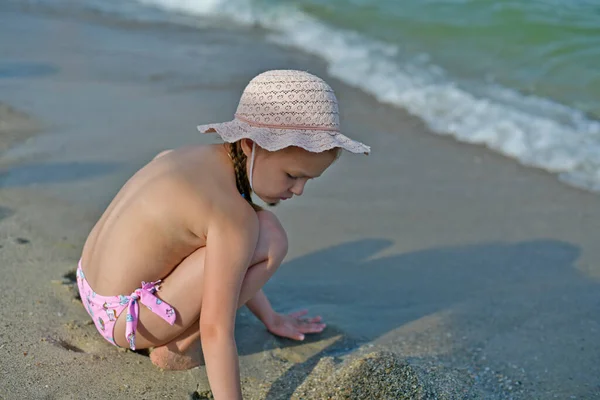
(295, 325)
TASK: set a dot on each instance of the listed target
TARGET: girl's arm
(231, 240)
(292, 326)
(261, 308)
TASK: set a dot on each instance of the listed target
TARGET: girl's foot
(169, 357)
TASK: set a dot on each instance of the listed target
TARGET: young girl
(184, 238)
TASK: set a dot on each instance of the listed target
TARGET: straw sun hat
(284, 108)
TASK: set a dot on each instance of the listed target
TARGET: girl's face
(279, 175)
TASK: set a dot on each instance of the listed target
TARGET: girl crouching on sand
(184, 238)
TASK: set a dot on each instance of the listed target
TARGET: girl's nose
(298, 187)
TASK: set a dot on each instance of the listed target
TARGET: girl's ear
(246, 145)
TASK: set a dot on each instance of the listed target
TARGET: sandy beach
(462, 272)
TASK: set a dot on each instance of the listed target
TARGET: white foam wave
(535, 131)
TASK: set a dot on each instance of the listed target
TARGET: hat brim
(271, 139)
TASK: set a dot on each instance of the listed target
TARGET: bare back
(158, 218)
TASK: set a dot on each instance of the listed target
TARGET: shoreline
(156, 21)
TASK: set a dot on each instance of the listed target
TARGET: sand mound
(381, 375)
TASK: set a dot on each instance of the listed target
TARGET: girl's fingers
(296, 335)
(305, 321)
(312, 328)
(298, 314)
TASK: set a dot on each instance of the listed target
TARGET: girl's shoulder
(211, 189)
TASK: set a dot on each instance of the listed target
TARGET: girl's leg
(182, 290)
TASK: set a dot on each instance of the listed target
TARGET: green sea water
(549, 48)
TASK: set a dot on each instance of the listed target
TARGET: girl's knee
(272, 231)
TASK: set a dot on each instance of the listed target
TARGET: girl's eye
(290, 176)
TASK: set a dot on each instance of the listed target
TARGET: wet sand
(476, 277)
(15, 126)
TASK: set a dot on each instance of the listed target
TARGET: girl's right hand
(295, 325)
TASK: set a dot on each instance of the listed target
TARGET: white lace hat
(283, 108)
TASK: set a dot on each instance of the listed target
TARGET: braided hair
(239, 159)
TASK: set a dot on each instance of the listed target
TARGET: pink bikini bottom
(105, 310)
